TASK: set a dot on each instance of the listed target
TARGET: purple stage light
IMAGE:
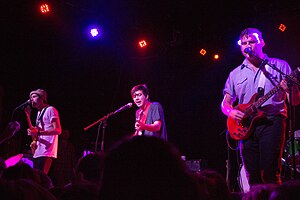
(94, 32)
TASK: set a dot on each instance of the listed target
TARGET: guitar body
(242, 130)
(33, 145)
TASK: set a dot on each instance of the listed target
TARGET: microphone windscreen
(248, 50)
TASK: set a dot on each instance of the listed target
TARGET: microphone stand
(266, 62)
(291, 133)
(103, 121)
(104, 124)
(291, 108)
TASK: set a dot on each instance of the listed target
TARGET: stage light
(44, 8)
(202, 52)
(216, 56)
(142, 43)
(282, 27)
(94, 32)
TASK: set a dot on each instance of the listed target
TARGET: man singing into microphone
(262, 151)
(150, 120)
(46, 130)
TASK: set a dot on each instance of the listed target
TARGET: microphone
(249, 51)
(26, 103)
(129, 105)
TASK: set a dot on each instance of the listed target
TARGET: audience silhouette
(90, 167)
(147, 168)
(260, 191)
(214, 184)
(62, 167)
(136, 168)
(287, 191)
(24, 189)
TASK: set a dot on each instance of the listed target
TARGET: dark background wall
(87, 79)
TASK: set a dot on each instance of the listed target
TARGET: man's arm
(228, 110)
(295, 92)
(155, 127)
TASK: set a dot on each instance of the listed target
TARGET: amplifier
(196, 165)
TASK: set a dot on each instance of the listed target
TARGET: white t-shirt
(46, 144)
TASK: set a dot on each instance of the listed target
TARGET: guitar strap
(139, 117)
(143, 114)
(261, 84)
(40, 117)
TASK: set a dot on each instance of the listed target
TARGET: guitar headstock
(297, 72)
(13, 127)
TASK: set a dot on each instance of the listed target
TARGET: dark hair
(91, 166)
(214, 184)
(146, 168)
(23, 189)
(260, 191)
(20, 171)
(142, 87)
(249, 31)
(288, 190)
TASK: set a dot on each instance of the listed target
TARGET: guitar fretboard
(263, 99)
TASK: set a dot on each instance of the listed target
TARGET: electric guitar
(138, 119)
(243, 129)
(33, 144)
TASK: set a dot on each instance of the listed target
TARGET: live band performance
(150, 100)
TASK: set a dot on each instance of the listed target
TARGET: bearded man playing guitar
(259, 119)
(45, 132)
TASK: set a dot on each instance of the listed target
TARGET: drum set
(287, 163)
(288, 157)
(288, 152)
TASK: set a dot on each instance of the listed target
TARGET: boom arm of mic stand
(100, 120)
(287, 76)
(96, 122)
(266, 62)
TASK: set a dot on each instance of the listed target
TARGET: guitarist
(46, 130)
(261, 152)
(150, 120)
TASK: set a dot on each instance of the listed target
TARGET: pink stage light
(202, 52)
(143, 43)
(282, 27)
(44, 8)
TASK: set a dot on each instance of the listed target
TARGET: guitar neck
(29, 122)
(263, 99)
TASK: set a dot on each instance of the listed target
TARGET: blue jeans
(262, 151)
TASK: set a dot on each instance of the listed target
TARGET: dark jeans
(42, 163)
(262, 151)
